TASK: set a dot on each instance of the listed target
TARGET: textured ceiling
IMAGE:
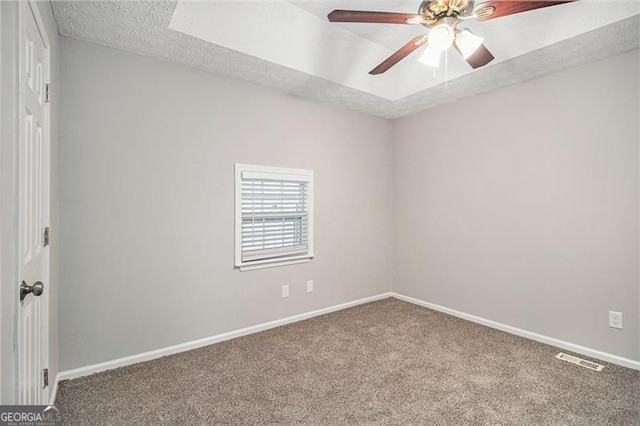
(142, 27)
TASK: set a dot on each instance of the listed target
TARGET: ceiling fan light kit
(442, 18)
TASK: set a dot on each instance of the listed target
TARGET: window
(274, 216)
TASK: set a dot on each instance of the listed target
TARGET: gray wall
(8, 188)
(521, 205)
(524, 212)
(146, 177)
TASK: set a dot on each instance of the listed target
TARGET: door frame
(9, 140)
(1, 203)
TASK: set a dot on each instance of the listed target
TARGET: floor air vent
(583, 362)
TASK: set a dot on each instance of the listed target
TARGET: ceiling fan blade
(374, 17)
(498, 8)
(479, 58)
(399, 55)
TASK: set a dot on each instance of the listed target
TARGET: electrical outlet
(285, 290)
(310, 286)
(615, 319)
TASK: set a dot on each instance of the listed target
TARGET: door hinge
(46, 236)
(45, 378)
(47, 93)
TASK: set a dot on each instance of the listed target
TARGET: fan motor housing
(435, 10)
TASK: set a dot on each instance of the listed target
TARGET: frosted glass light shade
(441, 37)
(431, 57)
(467, 43)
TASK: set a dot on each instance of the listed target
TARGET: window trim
(277, 172)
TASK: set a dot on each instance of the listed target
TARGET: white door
(33, 214)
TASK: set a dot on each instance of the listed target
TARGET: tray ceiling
(290, 45)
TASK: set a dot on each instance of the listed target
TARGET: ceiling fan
(442, 18)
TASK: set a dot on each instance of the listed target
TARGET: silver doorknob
(37, 288)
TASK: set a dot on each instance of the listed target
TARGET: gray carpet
(386, 362)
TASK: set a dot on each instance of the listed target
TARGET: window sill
(262, 264)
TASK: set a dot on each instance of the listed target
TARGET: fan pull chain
(446, 70)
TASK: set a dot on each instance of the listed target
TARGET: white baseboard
(604, 356)
(182, 347)
(54, 390)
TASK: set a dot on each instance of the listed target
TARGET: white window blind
(273, 215)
